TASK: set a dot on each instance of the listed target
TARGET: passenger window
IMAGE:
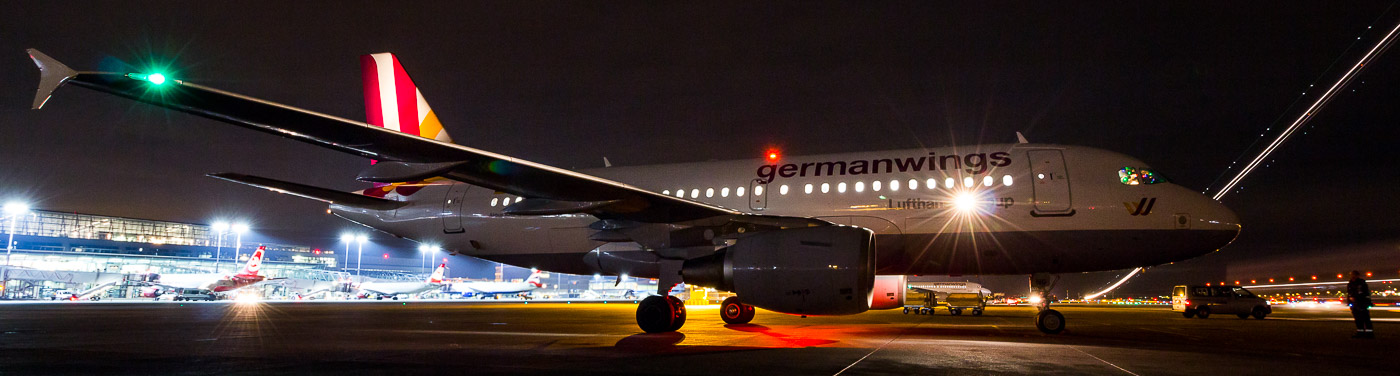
(665, 192)
(1006, 180)
(967, 182)
(948, 183)
(709, 192)
(875, 186)
(782, 189)
(987, 181)
(841, 187)
(494, 200)
(1138, 176)
(931, 183)
(894, 185)
(724, 192)
(826, 187)
(913, 184)
(740, 191)
(807, 189)
(695, 193)
(860, 186)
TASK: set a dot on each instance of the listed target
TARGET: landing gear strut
(1049, 321)
(735, 312)
(663, 312)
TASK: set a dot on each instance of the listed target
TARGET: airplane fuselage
(985, 209)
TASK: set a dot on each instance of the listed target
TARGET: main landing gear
(735, 312)
(663, 312)
(1049, 321)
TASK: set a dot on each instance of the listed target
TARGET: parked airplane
(394, 289)
(798, 235)
(486, 289)
(216, 282)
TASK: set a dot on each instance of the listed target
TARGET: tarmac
(421, 337)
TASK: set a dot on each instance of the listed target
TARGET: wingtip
(52, 74)
(1021, 138)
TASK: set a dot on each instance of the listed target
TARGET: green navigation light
(156, 78)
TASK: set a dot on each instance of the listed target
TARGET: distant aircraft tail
(254, 262)
(437, 274)
(534, 280)
(393, 101)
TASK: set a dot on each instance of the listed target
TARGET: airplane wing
(549, 190)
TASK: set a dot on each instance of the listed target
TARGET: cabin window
(841, 187)
(860, 186)
(1138, 176)
(931, 183)
(724, 192)
(875, 186)
(1006, 180)
(709, 192)
(494, 201)
(948, 183)
(807, 189)
(826, 187)
(987, 181)
(740, 191)
(782, 189)
(680, 193)
(967, 182)
(894, 185)
(695, 193)
(665, 192)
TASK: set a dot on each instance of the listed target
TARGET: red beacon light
(773, 155)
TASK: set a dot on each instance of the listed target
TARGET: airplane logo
(1143, 207)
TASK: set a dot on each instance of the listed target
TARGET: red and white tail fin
(437, 274)
(534, 279)
(393, 101)
(254, 262)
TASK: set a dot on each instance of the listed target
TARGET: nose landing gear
(1049, 321)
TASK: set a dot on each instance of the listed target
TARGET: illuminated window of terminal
(807, 189)
(1136, 176)
(1006, 180)
(782, 189)
(826, 188)
(967, 181)
(740, 191)
(987, 181)
(841, 187)
(931, 183)
(695, 193)
(724, 192)
(860, 186)
(948, 183)
(709, 192)
(875, 186)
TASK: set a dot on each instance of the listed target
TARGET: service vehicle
(1202, 301)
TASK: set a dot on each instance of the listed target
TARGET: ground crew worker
(1359, 297)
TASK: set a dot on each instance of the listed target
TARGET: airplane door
(758, 194)
(1051, 182)
(452, 208)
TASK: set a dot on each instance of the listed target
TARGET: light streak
(1311, 112)
(1115, 285)
(1314, 284)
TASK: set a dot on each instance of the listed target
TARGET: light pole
(423, 257)
(360, 255)
(220, 228)
(238, 229)
(347, 238)
(14, 209)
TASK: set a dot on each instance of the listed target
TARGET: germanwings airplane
(812, 235)
(495, 288)
(394, 289)
(216, 282)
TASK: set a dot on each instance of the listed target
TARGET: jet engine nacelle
(888, 291)
(826, 270)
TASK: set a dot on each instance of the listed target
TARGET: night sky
(1185, 86)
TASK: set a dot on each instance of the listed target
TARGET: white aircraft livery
(394, 289)
(811, 235)
(493, 288)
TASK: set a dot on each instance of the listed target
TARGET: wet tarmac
(413, 337)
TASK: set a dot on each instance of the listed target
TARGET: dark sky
(1185, 86)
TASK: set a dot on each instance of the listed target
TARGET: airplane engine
(827, 270)
(888, 291)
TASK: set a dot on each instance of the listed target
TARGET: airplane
(832, 234)
(394, 289)
(215, 282)
(485, 289)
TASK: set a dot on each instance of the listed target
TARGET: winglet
(1021, 139)
(606, 163)
(52, 74)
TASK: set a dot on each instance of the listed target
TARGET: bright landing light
(965, 202)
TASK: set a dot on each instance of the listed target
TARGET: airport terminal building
(57, 250)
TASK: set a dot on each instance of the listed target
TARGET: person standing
(1359, 297)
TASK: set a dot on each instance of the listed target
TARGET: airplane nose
(1217, 216)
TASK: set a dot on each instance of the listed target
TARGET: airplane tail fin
(535, 276)
(254, 262)
(393, 101)
(437, 274)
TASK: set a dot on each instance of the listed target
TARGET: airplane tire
(1050, 321)
(656, 314)
(732, 311)
(678, 309)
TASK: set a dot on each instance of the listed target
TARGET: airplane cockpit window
(1137, 176)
